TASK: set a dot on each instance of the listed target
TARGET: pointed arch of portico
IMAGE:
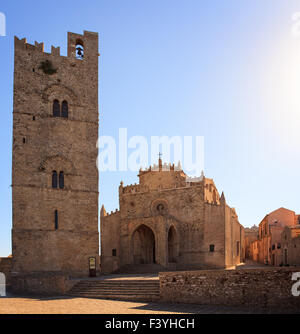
(143, 245)
(172, 244)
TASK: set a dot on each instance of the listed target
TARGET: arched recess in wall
(143, 245)
(173, 245)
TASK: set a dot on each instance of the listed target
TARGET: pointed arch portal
(143, 242)
(172, 245)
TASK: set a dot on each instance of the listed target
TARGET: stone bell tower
(54, 176)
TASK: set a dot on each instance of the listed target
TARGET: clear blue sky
(225, 70)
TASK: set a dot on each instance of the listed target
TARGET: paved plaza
(12, 304)
(68, 305)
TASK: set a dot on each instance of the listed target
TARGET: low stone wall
(268, 288)
(5, 268)
(41, 283)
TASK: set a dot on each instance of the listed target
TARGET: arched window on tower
(56, 108)
(79, 49)
(54, 179)
(64, 109)
(61, 180)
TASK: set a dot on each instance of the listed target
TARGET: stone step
(112, 286)
(119, 289)
(116, 288)
(124, 281)
(141, 298)
(115, 292)
(127, 283)
(142, 268)
(80, 288)
(139, 288)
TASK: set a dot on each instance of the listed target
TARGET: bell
(79, 51)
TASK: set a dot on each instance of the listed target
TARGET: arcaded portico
(170, 221)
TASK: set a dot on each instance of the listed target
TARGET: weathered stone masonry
(172, 221)
(256, 288)
(55, 225)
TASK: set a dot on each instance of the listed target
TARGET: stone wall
(256, 288)
(110, 240)
(41, 283)
(290, 245)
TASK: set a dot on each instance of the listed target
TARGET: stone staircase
(141, 268)
(127, 289)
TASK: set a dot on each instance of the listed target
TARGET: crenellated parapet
(88, 43)
(131, 189)
(112, 213)
(38, 47)
(160, 167)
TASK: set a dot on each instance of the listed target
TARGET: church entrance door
(143, 242)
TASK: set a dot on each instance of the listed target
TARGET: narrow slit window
(56, 220)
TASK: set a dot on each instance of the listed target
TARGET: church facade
(170, 221)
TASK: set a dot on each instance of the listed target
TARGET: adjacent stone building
(290, 243)
(169, 221)
(54, 175)
(268, 248)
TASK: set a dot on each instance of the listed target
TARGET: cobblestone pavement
(69, 305)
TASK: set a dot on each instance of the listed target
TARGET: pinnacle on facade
(222, 198)
(103, 211)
